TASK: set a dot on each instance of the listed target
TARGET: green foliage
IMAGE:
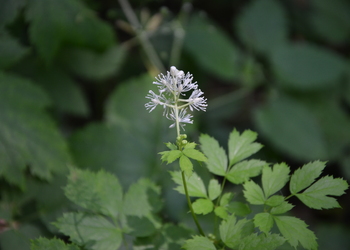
(53, 244)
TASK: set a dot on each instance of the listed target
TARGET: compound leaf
(305, 176)
(199, 242)
(262, 242)
(316, 196)
(194, 154)
(244, 170)
(242, 146)
(231, 231)
(195, 185)
(214, 189)
(273, 179)
(170, 155)
(203, 206)
(264, 221)
(296, 231)
(253, 193)
(186, 165)
(282, 208)
(217, 159)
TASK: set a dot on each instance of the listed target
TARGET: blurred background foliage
(74, 74)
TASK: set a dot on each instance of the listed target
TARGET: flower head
(173, 88)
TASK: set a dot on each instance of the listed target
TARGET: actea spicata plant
(110, 219)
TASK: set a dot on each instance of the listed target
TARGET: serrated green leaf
(93, 231)
(264, 221)
(274, 179)
(195, 185)
(186, 165)
(231, 231)
(305, 176)
(136, 199)
(55, 23)
(239, 208)
(214, 189)
(194, 154)
(171, 146)
(170, 156)
(93, 65)
(226, 198)
(296, 231)
(203, 35)
(217, 159)
(203, 206)
(190, 145)
(262, 242)
(98, 192)
(199, 242)
(221, 212)
(275, 200)
(140, 226)
(242, 146)
(282, 208)
(316, 196)
(263, 25)
(52, 244)
(244, 170)
(253, 193)
(28, 136)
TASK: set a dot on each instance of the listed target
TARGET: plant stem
(142, 35)
(190, 205)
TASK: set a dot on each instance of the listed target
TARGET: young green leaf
(194, 154)
(186, 165)
(282, 208)
(253, 193)
(305, 176)
(170, 156)
(214, 189)
(296, 231)
(98, 192)
(199, 242)
(231, 231)
(242, 146)
(52, 244)
(262, 242)
(239, 208)
(93, 231)
(190, 145)
(217, 159)
(195, 185)
(226, 198)
(273, 179)
(244, 170)
(203, 206)
(316, 196)
(264, 221)
(171, 146)
(275, 200)
(221, 212)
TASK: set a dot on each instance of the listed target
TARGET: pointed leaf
(316, 196)
(203, 206)
(170, 156)
(98, 192)
(244, 170)
(262, 242)
(275, 200)
(274, 179)
(194, 154)
(195, 184)
(221, 212)
(253, 193)
(282, 208)
(217, 159)
(264, 221)
(214, 189)
(186, 165)
(94, 231)
(242, 146)
(199, 242)
(296, 231)
(305, 176)
(231, 231)
(239, 208)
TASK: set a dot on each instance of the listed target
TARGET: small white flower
(171, 86)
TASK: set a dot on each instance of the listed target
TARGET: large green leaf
(263, 25)
(291, 128)
(64, 21)
(28, 135)
(212, 49)
(129, 144)
(307, 67)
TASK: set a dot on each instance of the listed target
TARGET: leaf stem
(190, 205)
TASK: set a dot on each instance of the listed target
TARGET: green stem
(190, 205)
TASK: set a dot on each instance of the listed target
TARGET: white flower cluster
(173, 88)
